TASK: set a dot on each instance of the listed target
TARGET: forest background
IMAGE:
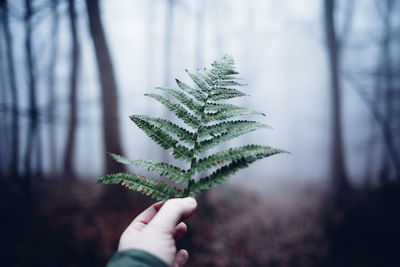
(326, 73)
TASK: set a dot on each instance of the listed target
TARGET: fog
(280, 51)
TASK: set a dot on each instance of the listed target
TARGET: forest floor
(73, 223)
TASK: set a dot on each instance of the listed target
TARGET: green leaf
(155, 133)
(196, 93)
(233, 154)
(199, 82)
(183, 134)
(183, 153)
(227, 82)
(164, 169)
(202, 108)
(218, 129)
(225, 172)
(184, 99)
(226, 111)
(225, 93)
(154, 189)
(233, 132)
(179, 111)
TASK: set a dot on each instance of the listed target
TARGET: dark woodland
(326, 73)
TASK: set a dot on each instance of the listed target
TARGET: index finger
(146, 216)
(172, 212)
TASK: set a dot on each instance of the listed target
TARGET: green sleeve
(136, 258)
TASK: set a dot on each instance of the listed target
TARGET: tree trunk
(108, 87)
(30, 69)
(73, 82)
(55, 22)
(388, 71)
(13, 90)
(338, 172)
(3, 116)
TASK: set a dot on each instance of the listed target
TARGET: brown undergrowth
(59, 223)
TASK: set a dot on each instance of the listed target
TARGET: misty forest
(326, 74)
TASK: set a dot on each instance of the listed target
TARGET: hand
(158, 228)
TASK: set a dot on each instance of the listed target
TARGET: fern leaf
(183, 153)
(196, 93)
(225, 93)
(183, 134)
(228, 82)
(155, 133)
(226, 111)
(171, 172)
(224, 173)
(154, 189)
(179, 111)
(234, 132)
(184, 99)
(217, 129)
(199, 82)
(201, 109)
(233, 154)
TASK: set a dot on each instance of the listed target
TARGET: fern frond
(171, 172)
(199, 82)
(155, 133)
(184, 99)
(233, 154)
(154, 189)
(234, 132)
(200, 96)
(226, 111)
(183, 153)
(183, 134)
(179, 111)
(225, 93)
(203, 109)
(222, 127)
(224, 173)
(218, 177)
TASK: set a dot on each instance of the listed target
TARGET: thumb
(172, 212)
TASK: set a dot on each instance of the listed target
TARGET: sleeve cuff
(135, 257)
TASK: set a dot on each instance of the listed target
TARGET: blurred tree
(382, 97)
(55, 22)
(109, 91)
(3, 118)
(388, 118)
(32, 135)
(73, 83)
(338, 170)
(12, 85)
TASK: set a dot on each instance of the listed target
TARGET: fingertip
(181, 258)
(173, 211)
(191, 201)
(157, 206)
(180, 231)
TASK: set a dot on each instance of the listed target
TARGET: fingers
(145, 217)
(180, 231)
(173, 211)
(181, 258)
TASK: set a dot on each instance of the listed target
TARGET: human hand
(158, 228)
